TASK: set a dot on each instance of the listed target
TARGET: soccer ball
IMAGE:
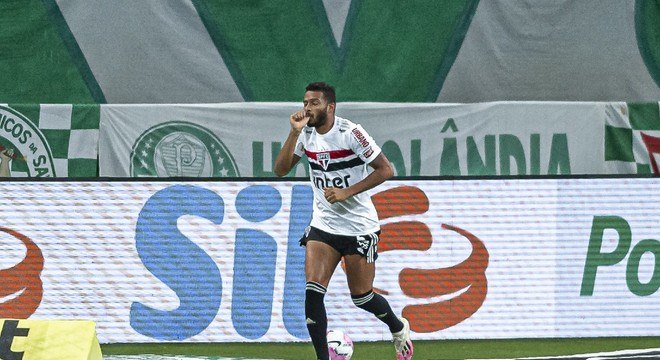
(340, 345)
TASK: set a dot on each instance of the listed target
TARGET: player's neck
(329, 123)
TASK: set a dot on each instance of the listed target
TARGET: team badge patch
(323, 159)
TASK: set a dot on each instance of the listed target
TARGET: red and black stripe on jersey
(334, 163)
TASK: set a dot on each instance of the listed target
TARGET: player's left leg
(360, 276)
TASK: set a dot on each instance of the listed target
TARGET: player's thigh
(320, 262)
(359, 274)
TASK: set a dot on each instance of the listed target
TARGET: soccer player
(344, 221)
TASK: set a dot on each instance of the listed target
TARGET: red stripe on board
(334, 154)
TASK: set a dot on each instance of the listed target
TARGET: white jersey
(339, 158)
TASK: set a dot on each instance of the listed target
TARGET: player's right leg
(320, 263)
(360, 275)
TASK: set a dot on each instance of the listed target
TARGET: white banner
(220, 261)
(243, 139)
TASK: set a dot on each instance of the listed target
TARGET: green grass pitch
(443, 349)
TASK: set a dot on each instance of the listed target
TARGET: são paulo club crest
(323, 159)
(181, 149)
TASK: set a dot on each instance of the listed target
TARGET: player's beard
(318, 120)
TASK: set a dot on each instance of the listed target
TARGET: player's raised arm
(286, 159)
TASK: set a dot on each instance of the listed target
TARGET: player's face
(316, 108)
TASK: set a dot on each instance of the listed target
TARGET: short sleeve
(363, 145)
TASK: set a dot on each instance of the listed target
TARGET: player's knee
(314, 287)
(314, 294)
(314, 307)
(362, 300)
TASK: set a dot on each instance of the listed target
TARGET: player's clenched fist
(298, 120)
(334, 195)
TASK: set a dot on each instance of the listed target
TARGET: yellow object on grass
(49, 339)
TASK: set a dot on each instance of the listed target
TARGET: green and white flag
(458, 51)
(632, 138)
(50, 140)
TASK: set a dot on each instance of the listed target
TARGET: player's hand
(298, 120)
(334, 195)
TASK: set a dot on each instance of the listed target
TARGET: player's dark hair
(327, 90)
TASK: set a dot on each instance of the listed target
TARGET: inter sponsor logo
(321, 182)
